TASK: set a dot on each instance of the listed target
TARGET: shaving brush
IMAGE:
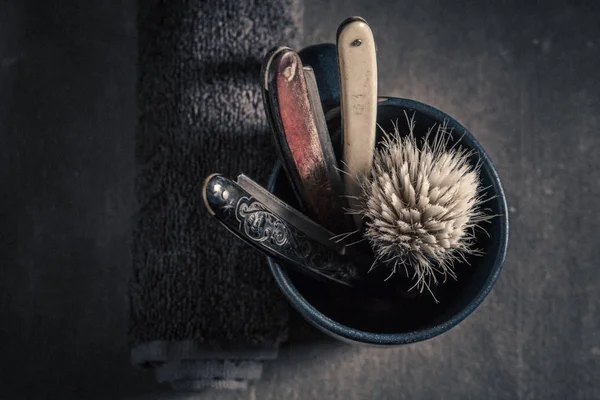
(421, 203)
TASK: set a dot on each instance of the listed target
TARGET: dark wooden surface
(522, 76)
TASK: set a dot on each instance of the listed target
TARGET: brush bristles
(421, 205)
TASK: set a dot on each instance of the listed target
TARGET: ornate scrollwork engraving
(261, 225)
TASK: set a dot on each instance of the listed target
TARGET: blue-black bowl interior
(361, 317)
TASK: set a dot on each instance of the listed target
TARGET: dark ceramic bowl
(356, 317)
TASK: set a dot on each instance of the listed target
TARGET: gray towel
(204, 309)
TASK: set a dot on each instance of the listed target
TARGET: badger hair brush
(421, 203)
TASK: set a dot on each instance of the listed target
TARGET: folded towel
(204, 309)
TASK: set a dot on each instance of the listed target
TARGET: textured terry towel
(204, 309)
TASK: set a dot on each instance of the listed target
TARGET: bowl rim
(353, 335)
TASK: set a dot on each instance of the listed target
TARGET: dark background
(522, 76)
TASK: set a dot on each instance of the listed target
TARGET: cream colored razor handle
(358, 84)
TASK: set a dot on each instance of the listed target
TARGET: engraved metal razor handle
(262, 227)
